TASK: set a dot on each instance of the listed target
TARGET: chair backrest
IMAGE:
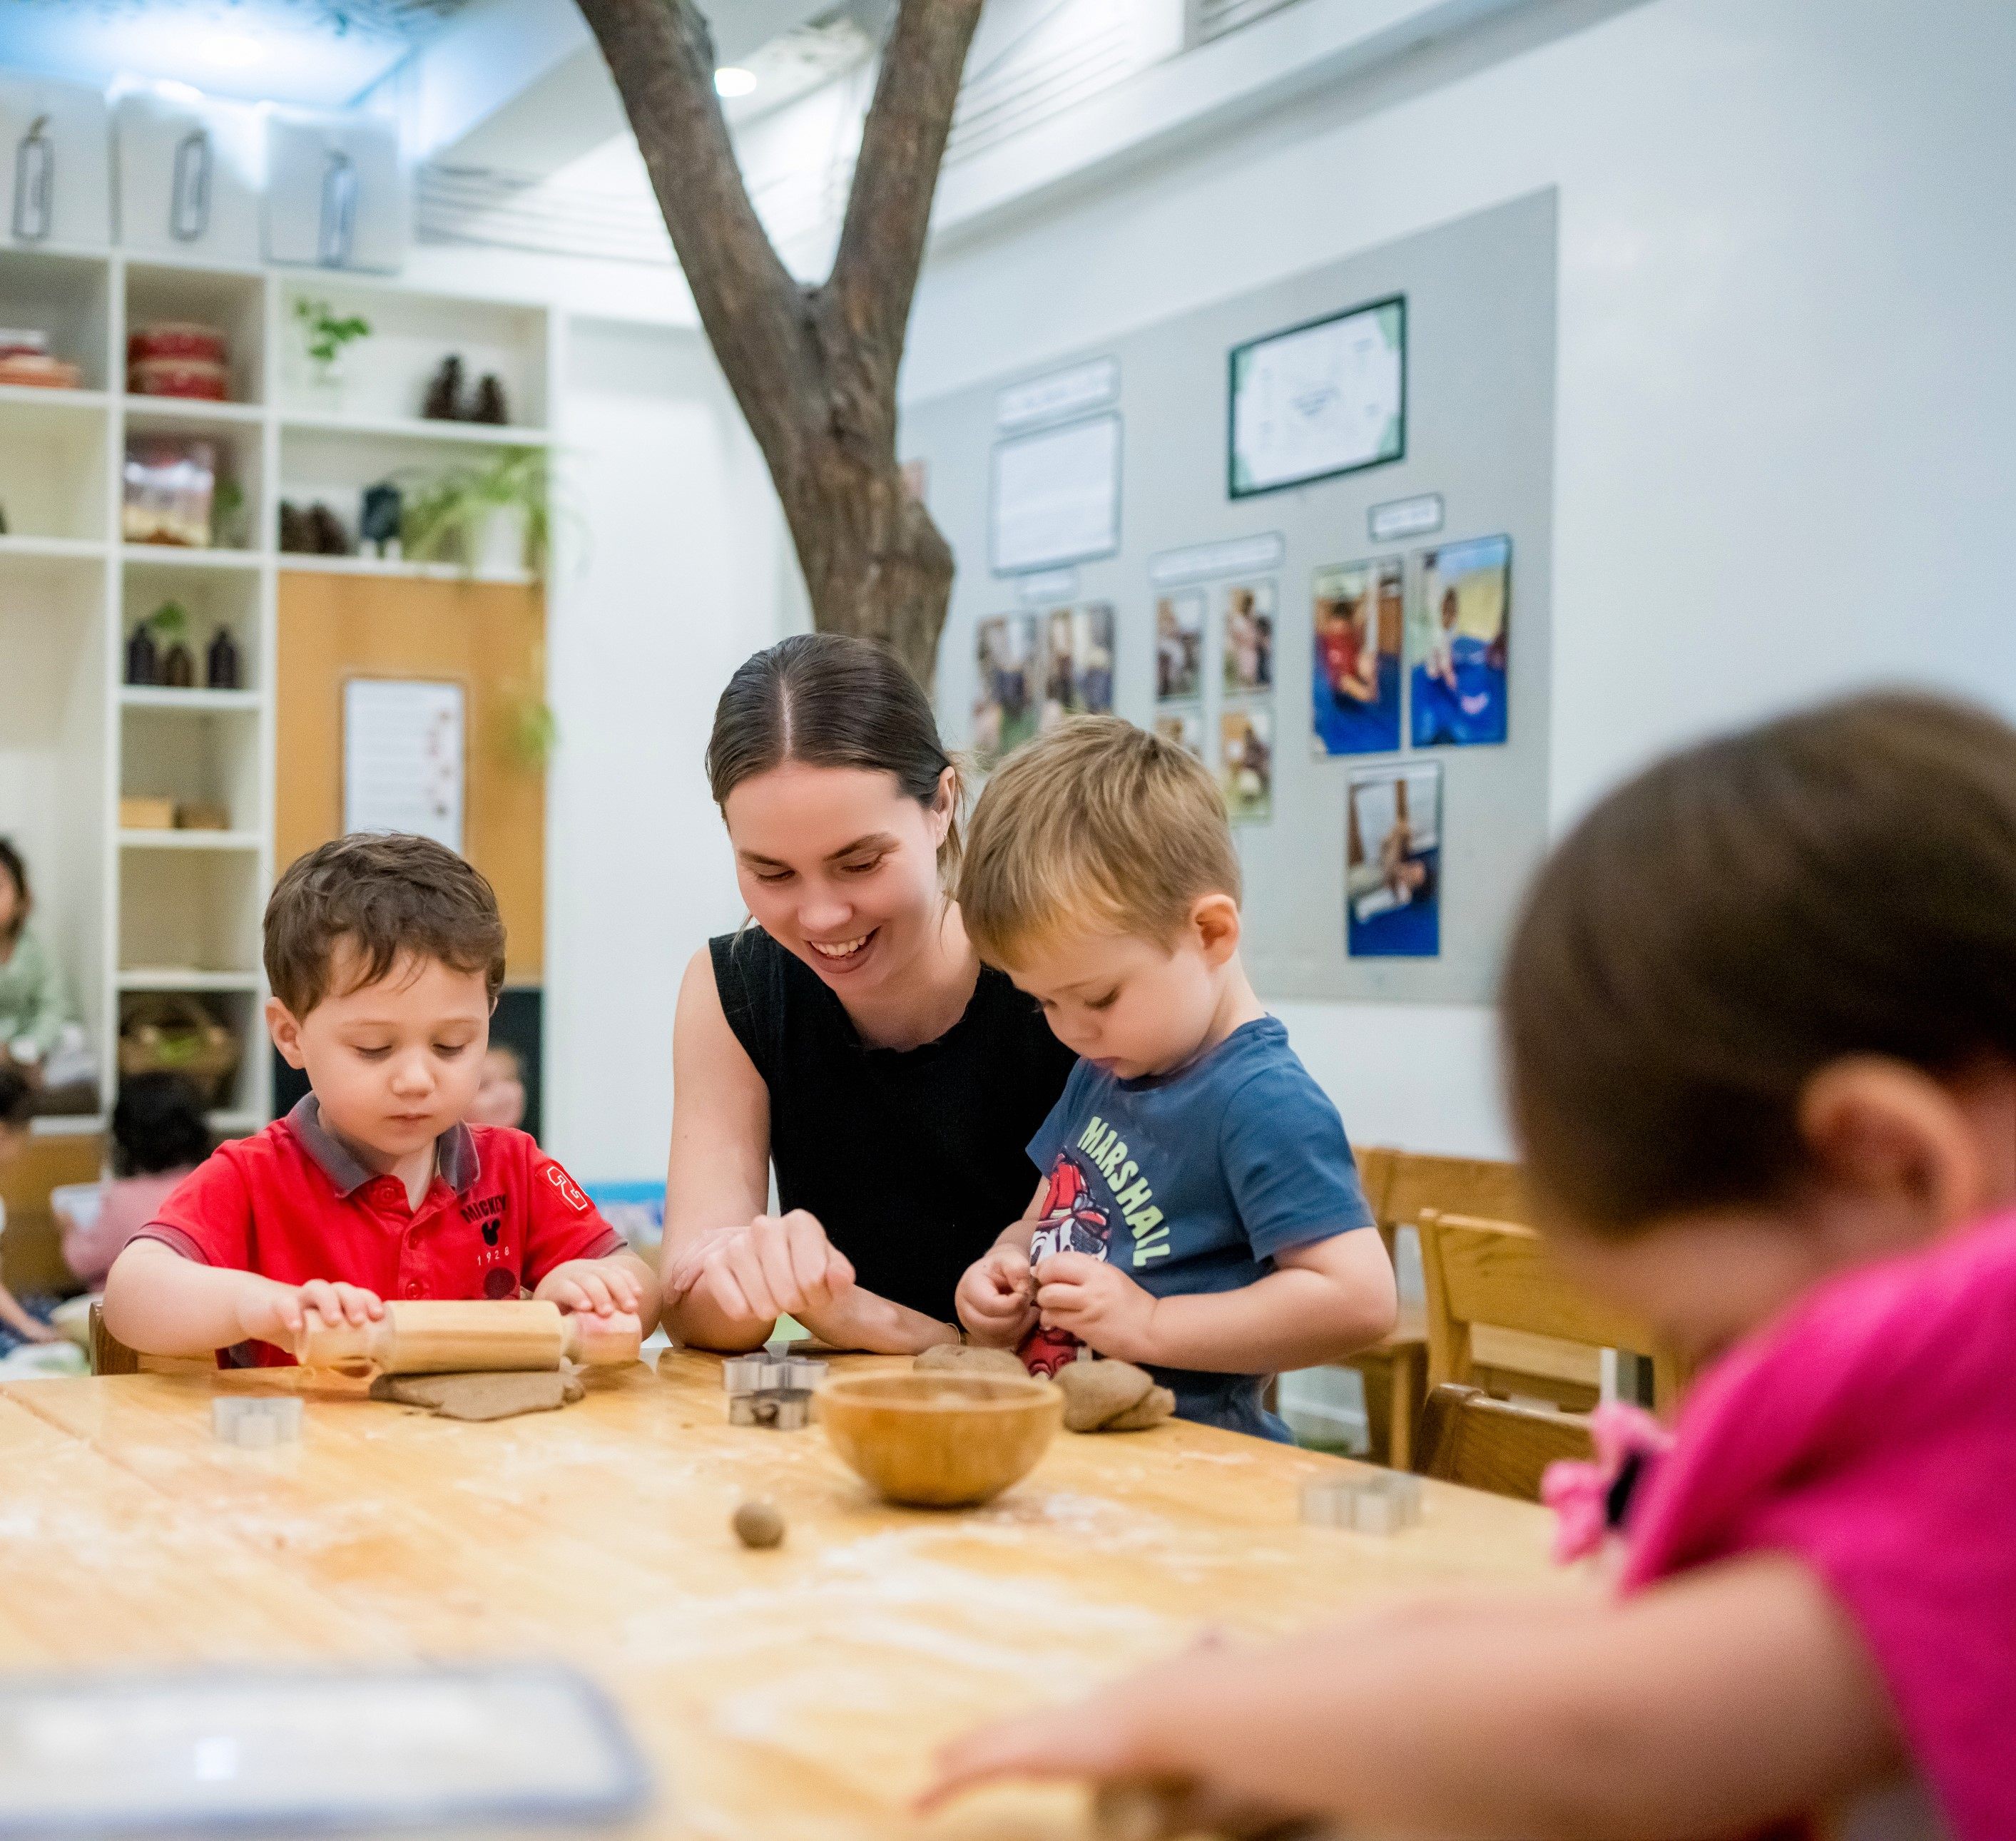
(1496, 1274)
(1500, 1445)
(1483, 1187)
(1375, 1175)
(109, 1356)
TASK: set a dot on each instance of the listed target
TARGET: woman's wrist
(864, 1321)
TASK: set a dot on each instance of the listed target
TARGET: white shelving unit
(144, 914)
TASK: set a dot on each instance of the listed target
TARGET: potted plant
(324, 336)
(492, 519)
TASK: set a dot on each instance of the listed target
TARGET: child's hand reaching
(1098, 1304)
(281, 1313)
(599, 1285)
(996, 1298)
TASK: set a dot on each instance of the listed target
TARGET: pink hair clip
(1589, 1500)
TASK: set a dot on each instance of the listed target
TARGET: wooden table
(794, 1693)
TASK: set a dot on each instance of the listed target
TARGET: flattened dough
(969, 1358)
(1112, 1397)
(482, 1396)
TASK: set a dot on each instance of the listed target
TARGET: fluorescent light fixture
(732, 80)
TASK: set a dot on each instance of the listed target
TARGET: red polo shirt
(293, 1203)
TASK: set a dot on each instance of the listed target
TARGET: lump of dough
(482, 1396)
(758, 1524)
(969, 1358)
(1112, 1397)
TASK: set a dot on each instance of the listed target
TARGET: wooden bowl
(939, 1440)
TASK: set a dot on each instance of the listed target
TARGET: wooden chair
(1495, 1276)
(1398, 1185)
(31, 1250)
(1500, 1445)
(109, 1356)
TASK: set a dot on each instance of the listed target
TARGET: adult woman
(851, 1036)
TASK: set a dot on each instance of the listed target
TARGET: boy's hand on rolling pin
(592, 1285)
(1098, 1304)
(779, 1265)
(996, 1298)
(280, 1314)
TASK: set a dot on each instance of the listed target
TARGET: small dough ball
(1098, 1392)
(759, 1524)
(969, 1358)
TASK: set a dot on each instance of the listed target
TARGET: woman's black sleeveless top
(913, 1159)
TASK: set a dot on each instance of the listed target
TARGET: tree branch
(889, 208)
(662, 55)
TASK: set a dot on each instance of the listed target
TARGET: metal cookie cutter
(782, 1409)
(1382, 1504)
(256, 1421)
(765, 1372)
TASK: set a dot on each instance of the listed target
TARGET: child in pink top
(158, 1137)
(1760, 1018)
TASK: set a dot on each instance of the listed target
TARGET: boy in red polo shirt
(385, 955)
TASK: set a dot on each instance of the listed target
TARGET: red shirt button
(413, 1239)
(412, 1288)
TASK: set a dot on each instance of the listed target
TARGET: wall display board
(1242, 625)
(1057, 497)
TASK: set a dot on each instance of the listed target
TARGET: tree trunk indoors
(814, 368)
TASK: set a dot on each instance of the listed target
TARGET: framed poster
(1056, 497)
(1327, 398)
(1393, 856)
(404, 767)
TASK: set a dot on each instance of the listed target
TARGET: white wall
(1786, 426)
(669, 571)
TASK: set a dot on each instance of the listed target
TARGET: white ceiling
(319, 52)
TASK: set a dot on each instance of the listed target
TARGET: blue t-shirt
(1194, 1181)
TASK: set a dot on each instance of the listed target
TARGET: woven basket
(170, 1034)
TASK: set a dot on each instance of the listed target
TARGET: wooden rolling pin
(440, 1337)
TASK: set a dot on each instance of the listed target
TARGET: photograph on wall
(1179, 645)
(1392, 877)
(1249, 637)
(1318, 399)
(1357, 618)
(1056, 497)
(1183, 724)
(1004, 712)
(1457, 645)
(1078, 662)
(1245, 761)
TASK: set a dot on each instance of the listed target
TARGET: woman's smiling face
(839, 865)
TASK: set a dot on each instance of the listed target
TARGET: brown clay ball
(759, 1524)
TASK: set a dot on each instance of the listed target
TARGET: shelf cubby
(235, 303)
(69, 298)
(218, 589)
(384, 376)
(52, 464)
(204, 756)
(193, 907)
(239, 449)
(238, 1008)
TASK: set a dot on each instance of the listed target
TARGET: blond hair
(1097, 824)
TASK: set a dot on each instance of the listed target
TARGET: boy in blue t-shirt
(1199, 1204)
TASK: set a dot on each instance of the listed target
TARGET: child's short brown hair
(390, 897)
(1837, 883)
(1096, 824)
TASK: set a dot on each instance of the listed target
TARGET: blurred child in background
(158, 1137)
(1760, 1018)
(17, 1106)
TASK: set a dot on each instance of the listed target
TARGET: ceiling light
(732, 80)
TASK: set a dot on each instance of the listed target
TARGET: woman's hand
(996, 1298)
(777, 1266)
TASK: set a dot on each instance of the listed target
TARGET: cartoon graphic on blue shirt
(1194, 1181)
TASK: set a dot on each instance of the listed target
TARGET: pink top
(125, 1206)
(1871, 1432)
